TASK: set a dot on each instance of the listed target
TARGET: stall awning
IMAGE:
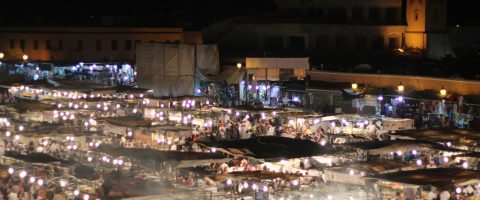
(284, 63)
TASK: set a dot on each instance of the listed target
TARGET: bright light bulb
(63, 183)
(414, 152)
(458, 190)
(265, 188)
(23, 174)
(419, 162)
(399, 153)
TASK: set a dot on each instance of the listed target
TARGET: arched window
(416, 15)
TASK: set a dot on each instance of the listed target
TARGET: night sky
(193, 14)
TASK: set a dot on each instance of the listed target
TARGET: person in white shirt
(445, 195)
(432, 195)
(12, 195)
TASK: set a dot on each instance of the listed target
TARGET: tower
(426, 26)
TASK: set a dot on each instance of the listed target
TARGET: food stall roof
(128, 121)
(157, 155)
(271, 147)
(27, 105)
(385, 147)
(129, 89)
(379, 166)
(438, 177)
(441, 135)
(259, 175)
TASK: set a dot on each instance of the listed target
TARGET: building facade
(88, 44)
(313, 27)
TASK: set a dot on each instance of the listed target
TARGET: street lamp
(239, 65)
(443, 92)
(354, 86)
(400, 87)
(2, 55)
(25, 57)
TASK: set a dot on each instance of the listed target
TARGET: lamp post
(25, 57)
(401, 88)
(443, 92)
(244, 82)
(2, 55)
(354, 86)
(379, 105)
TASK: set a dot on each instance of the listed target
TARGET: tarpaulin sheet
(168, 69)
(232, 75)
(207, 59)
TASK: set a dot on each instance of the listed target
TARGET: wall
(69, 37)
(284, 6)
(240, 33)
(167, 69)
(462, 87)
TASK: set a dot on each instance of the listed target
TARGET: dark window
(341, 43)
(360, 43)
(285, 74)
(152, 41)
(322, 43)
(416, 15)
(391, 15)
(98, 45)
(378, 43)
(22, 44)
(35, 44)
(357, 14)
(274, 43)
(435, 15)
(12, 44)
(296, 43)
(79, 45)
(337, 14)
(294, 12)
(137, 42)
(114, 45)
(48, 45)
(374, 15)
(251, 42)
(316, 13)
(128, 44)
(393, 42)
(60, 45)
